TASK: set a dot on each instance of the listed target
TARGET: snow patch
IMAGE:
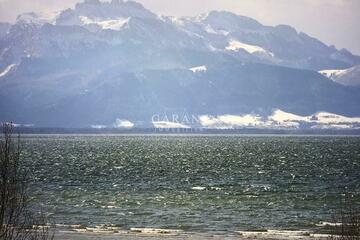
(177, 21)
(347, 77)
(321, 120)
(281, 116)
(98, 126)
(230, 121)
(235, 45)
(119, 123)
(288, 120)
(113, 24)
(7, 70)
(212, 48)
(333, 126)
(330, 118)
(332, 74)
(280, 120)
(169, 125)
(198, 69)
(211, 30)
(223, 32)
(201, 17)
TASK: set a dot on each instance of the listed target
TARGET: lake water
(201, 184)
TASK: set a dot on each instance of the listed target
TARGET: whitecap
(155, 231)
(275, 234)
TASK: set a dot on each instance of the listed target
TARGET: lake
(216, 184)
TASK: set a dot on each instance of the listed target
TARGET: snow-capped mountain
(244, 37)
(104, 61)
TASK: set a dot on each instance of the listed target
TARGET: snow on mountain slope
(120, 123)
(175, 20)
(347, 77)
(231, 121)
(7, 70)
(169, 125)
(235, 45)
(326, 120)
(318, 120)
(202, 68)
(280, 119)
(334, 73)
(115, 24)
(210, 30)
(330, 118)
(228, 21)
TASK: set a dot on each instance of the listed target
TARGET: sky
(335, 22)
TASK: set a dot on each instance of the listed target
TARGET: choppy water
(213, 184)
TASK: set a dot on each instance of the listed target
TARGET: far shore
(190, 131)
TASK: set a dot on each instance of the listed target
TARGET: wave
(77, 231)
(155, 231)
(114, 229)
(282, 234)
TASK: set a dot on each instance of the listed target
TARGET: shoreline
(68, 235)
(113, 233)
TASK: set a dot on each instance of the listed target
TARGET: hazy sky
(332, 21)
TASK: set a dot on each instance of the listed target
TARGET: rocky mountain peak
(97, 10)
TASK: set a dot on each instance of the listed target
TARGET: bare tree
(17, 220)
(347, 221)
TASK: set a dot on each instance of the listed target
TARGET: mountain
(94, 12)
(118, 64)
(347, 77)
(280, 45)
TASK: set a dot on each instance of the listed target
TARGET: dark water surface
(194, 183)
